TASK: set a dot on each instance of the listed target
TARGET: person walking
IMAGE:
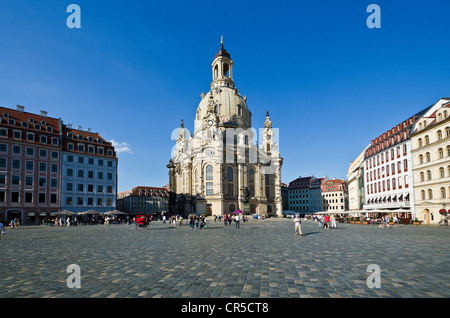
(236, 220)
(326, 221)
(333, 222)
(2, 230)
(298, 225)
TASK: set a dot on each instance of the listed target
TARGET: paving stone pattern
(262, 259)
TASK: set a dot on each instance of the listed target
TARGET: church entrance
(208, 209)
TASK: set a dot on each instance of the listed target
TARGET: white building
(219, 168)
(431, 157)
(388, 171)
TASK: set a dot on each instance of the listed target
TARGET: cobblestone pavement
(261, 259)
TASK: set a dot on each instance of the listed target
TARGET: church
(225, 164)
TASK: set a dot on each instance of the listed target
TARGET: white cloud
(121, 147)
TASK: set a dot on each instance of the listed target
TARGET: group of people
(197, 222)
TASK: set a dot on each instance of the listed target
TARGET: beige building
(431, 162)
(222, 166)
(355, 177)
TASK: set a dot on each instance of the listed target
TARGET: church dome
(225, 104)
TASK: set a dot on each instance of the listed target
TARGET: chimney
(20, 108)
(80, 128)
(69, 126)
(88, 129)
(43, 113)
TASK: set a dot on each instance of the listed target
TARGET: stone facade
(222, 166)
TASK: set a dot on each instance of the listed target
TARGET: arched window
(422, 193)
(440, 153)
(428, 175)
(427, 155)
(447, 131)
(419, 142)
(430, 194)
(420, 159)
(251, 176)
(439, 135)
(226, 69)
(230, 174)
(422, 177)
(216, 71)
(442, 172)
(209, 172)
(427, 140)
(443, 194)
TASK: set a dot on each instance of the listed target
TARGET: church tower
(220, 168)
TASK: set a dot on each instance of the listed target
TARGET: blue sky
(135, 68)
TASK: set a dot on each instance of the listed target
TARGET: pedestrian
(2, 230)
(326, 221)
(164, 219)
(333, 222)
(298, 225)
(395, 220)
(236, 220)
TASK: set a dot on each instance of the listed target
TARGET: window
(428, 175)
(15, 180)
(427, 140)
(3, 147)
(30, 151)
(14, 196)
(29, 165)
(43, 153)
(230, 189)
(42, 166)
(230, 174)
(80, 201)
(209, 188)
(430, 194)
(28, 197)
(443, 194)
(69, 172)
(80, 187)
(28, 181)
(41, 198)
(80, 173)
(54, 167)
(422, 194)
(427, 155)
(440, 153)
(42, 182)
(16, 164)
(422, 177)
(16, 149)
(69, 200)
(209, 173)
(441, 172)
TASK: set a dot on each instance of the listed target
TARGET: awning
(442, 211)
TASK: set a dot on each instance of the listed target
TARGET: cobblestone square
(261, 259)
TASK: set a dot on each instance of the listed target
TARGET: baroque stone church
(223, 166)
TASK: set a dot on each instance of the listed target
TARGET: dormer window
(44, 123)
(90, 139)
(11, 122)
(31, 120)
(24, 124)
(80, 137)
(99, 140)
(70, 135)
(49, 129)
(37, 126)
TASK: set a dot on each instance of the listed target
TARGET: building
(144, 200)
(305, 194)
(388, 171)
(335, 195)
(219, 168)
(355, 177)
(30, 150)
(430, 141)
(89, 171)
(315, 195)
(298, 193)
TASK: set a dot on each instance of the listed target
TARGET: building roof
(146, 191)
(334, 185)
(87, 138)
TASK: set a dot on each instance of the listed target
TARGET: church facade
(225, 165)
